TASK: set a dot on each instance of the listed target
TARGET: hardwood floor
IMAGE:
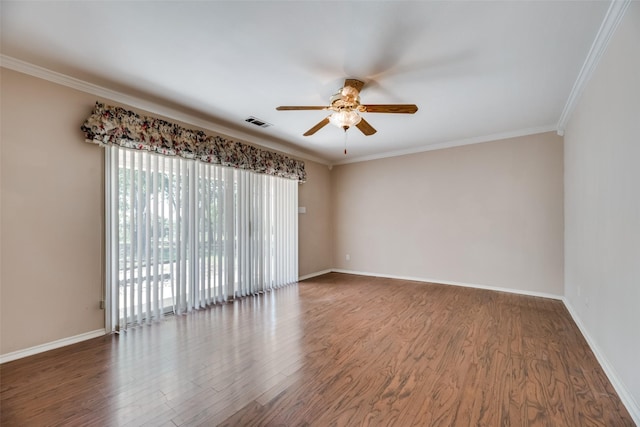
(337, 350)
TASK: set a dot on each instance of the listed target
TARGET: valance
(114, 125)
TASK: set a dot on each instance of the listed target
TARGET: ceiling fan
(346, 108)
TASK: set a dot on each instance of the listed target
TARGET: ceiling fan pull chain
(345, 140)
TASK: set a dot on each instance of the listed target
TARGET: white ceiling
(475, 69)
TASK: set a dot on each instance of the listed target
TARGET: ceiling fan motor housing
(340, 103)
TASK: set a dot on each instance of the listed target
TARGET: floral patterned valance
(114, 125)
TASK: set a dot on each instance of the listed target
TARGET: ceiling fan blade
(300, 107)
(391, 108)
(317, 127)
(356, 84)
(365, 127)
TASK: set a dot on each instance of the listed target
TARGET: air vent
(258, 122)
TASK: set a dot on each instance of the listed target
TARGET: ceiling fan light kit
(345, 119)
(346, 108)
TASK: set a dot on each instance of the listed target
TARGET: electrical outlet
(348, 257)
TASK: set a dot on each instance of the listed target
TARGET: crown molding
(450, 144)
(143, 104)
(612, 19)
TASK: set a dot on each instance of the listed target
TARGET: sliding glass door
(182, 235)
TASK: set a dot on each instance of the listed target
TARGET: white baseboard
(317, 273)
(627, 399)
(14, 355)
(447, 282)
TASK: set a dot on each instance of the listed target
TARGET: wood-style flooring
(337, 350)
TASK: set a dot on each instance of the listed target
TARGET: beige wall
(602, 207)
(488, 214)
(52, 211)
(51, 219)
(314, 226)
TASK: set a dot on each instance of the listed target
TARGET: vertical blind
(183, 235)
